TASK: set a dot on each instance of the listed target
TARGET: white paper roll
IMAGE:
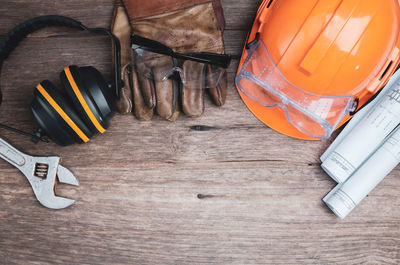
(364, 137)
(346, 196)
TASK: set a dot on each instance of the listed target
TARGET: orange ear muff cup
(56, 116)
(75, 82)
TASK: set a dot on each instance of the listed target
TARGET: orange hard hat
(328, 49)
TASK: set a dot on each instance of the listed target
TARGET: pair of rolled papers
(366, 151)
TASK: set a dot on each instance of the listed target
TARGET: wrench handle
(11, 154)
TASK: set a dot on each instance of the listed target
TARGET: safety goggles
(314, 115)
(159, 62)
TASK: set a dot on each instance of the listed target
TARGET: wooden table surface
(138, 203)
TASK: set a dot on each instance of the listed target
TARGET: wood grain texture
(138, 202)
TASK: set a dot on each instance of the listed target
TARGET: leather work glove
(186, 26)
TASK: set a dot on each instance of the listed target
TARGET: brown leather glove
(185, 26)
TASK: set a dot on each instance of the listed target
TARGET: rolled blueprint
(365, 134)
(346, 196)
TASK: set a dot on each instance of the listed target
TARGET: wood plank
(248, 221)
(239, 15)
(93, 13)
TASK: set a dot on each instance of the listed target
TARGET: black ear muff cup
(100, 93)
(88, 91)
(57, 117)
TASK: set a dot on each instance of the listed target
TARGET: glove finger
(217, 84)
(192, 93)
(124, 103)
(141, 110)
(167, 88)
(145, 82)
(121, 28)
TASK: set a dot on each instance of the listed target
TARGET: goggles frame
(285, 94)
(221, 60)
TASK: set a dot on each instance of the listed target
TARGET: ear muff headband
(82, 100)
(18, 33)
(63, 115)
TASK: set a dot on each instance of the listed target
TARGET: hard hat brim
(274, 118)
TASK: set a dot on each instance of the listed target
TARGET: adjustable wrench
(41, 173)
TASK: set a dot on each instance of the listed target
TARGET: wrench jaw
(65, 176)
(44, 189)
(51, 201)
(54, 202)
(41, 173)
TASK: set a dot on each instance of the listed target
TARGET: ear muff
(90, 94)
(88, 91)
(99, 91)
(56, 116)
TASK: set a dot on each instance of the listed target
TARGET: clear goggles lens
(314, 115)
